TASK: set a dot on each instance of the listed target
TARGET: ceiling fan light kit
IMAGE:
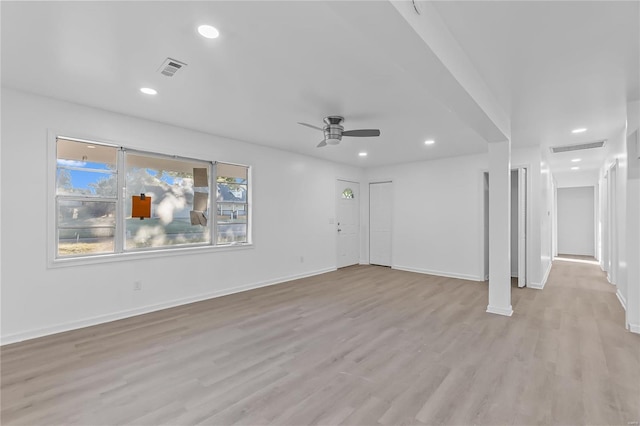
(333, 131)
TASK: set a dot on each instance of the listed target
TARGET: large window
(99, 189)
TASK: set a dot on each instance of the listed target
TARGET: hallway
(592, 364)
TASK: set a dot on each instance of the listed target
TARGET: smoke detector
(171, 66)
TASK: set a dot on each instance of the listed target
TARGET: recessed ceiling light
(362, 154)
(576, 160)
(149, 91)
(90, 146)
(429, 142)
(575, 168)
(207, 31)
(580, 130)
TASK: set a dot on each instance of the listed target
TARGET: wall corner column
(500, 228)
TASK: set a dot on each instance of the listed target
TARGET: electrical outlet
(137, 285)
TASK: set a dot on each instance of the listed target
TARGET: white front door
(380, 223)
(348, 223)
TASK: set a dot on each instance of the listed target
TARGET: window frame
(120, 253)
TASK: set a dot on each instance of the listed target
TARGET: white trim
(507, 312)
(622, 300)
(540, 286)
(145, 254)
(101, 319)
(634, 328)
(438, 273)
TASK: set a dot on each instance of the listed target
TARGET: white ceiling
(553, 66)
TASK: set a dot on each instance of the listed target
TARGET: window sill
(150, 254)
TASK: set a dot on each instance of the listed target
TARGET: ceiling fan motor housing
(333, 129)
(333, 133)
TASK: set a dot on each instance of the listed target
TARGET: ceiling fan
(333, 131)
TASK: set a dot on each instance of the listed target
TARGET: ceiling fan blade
(310, 125)
(362, 132)
(321, 144)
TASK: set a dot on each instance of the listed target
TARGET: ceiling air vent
(171, 66)
(567, 148)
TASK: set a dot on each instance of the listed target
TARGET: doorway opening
(519, 225)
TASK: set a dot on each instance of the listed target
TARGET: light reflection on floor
(577, 259)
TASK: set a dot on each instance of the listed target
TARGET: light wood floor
(364, 345)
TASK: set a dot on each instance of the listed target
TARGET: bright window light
(575, 168)
(429, 142)
(576, 160)
(149, 91)
(362, 154)
(580, 130)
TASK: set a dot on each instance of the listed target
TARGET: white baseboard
(101, 319)
(540, 286)
(507, 312)
(438, 273)
(634, 328)
(622, 300)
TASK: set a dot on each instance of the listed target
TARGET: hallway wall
(576, 221)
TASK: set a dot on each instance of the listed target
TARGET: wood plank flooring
(364, 345)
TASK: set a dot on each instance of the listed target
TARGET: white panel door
(380, 223)
(348, 223)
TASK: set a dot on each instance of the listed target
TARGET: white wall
(438, 219)
(575, 207)
(615, 252)
(633, 232)
(546, 219)
(437, 215)
(38, 300)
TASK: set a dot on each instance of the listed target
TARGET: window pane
(169, 183)
(86, 214)
(229, 233)
(228, 191)
(86, 169)
(74, 153)
(232, 207)
(74, 182)
(231, 171)
(232, 213)
(83, 241)
(85, 227)
(348, 193)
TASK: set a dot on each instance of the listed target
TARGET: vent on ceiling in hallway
(567, 148)
(170, 66)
